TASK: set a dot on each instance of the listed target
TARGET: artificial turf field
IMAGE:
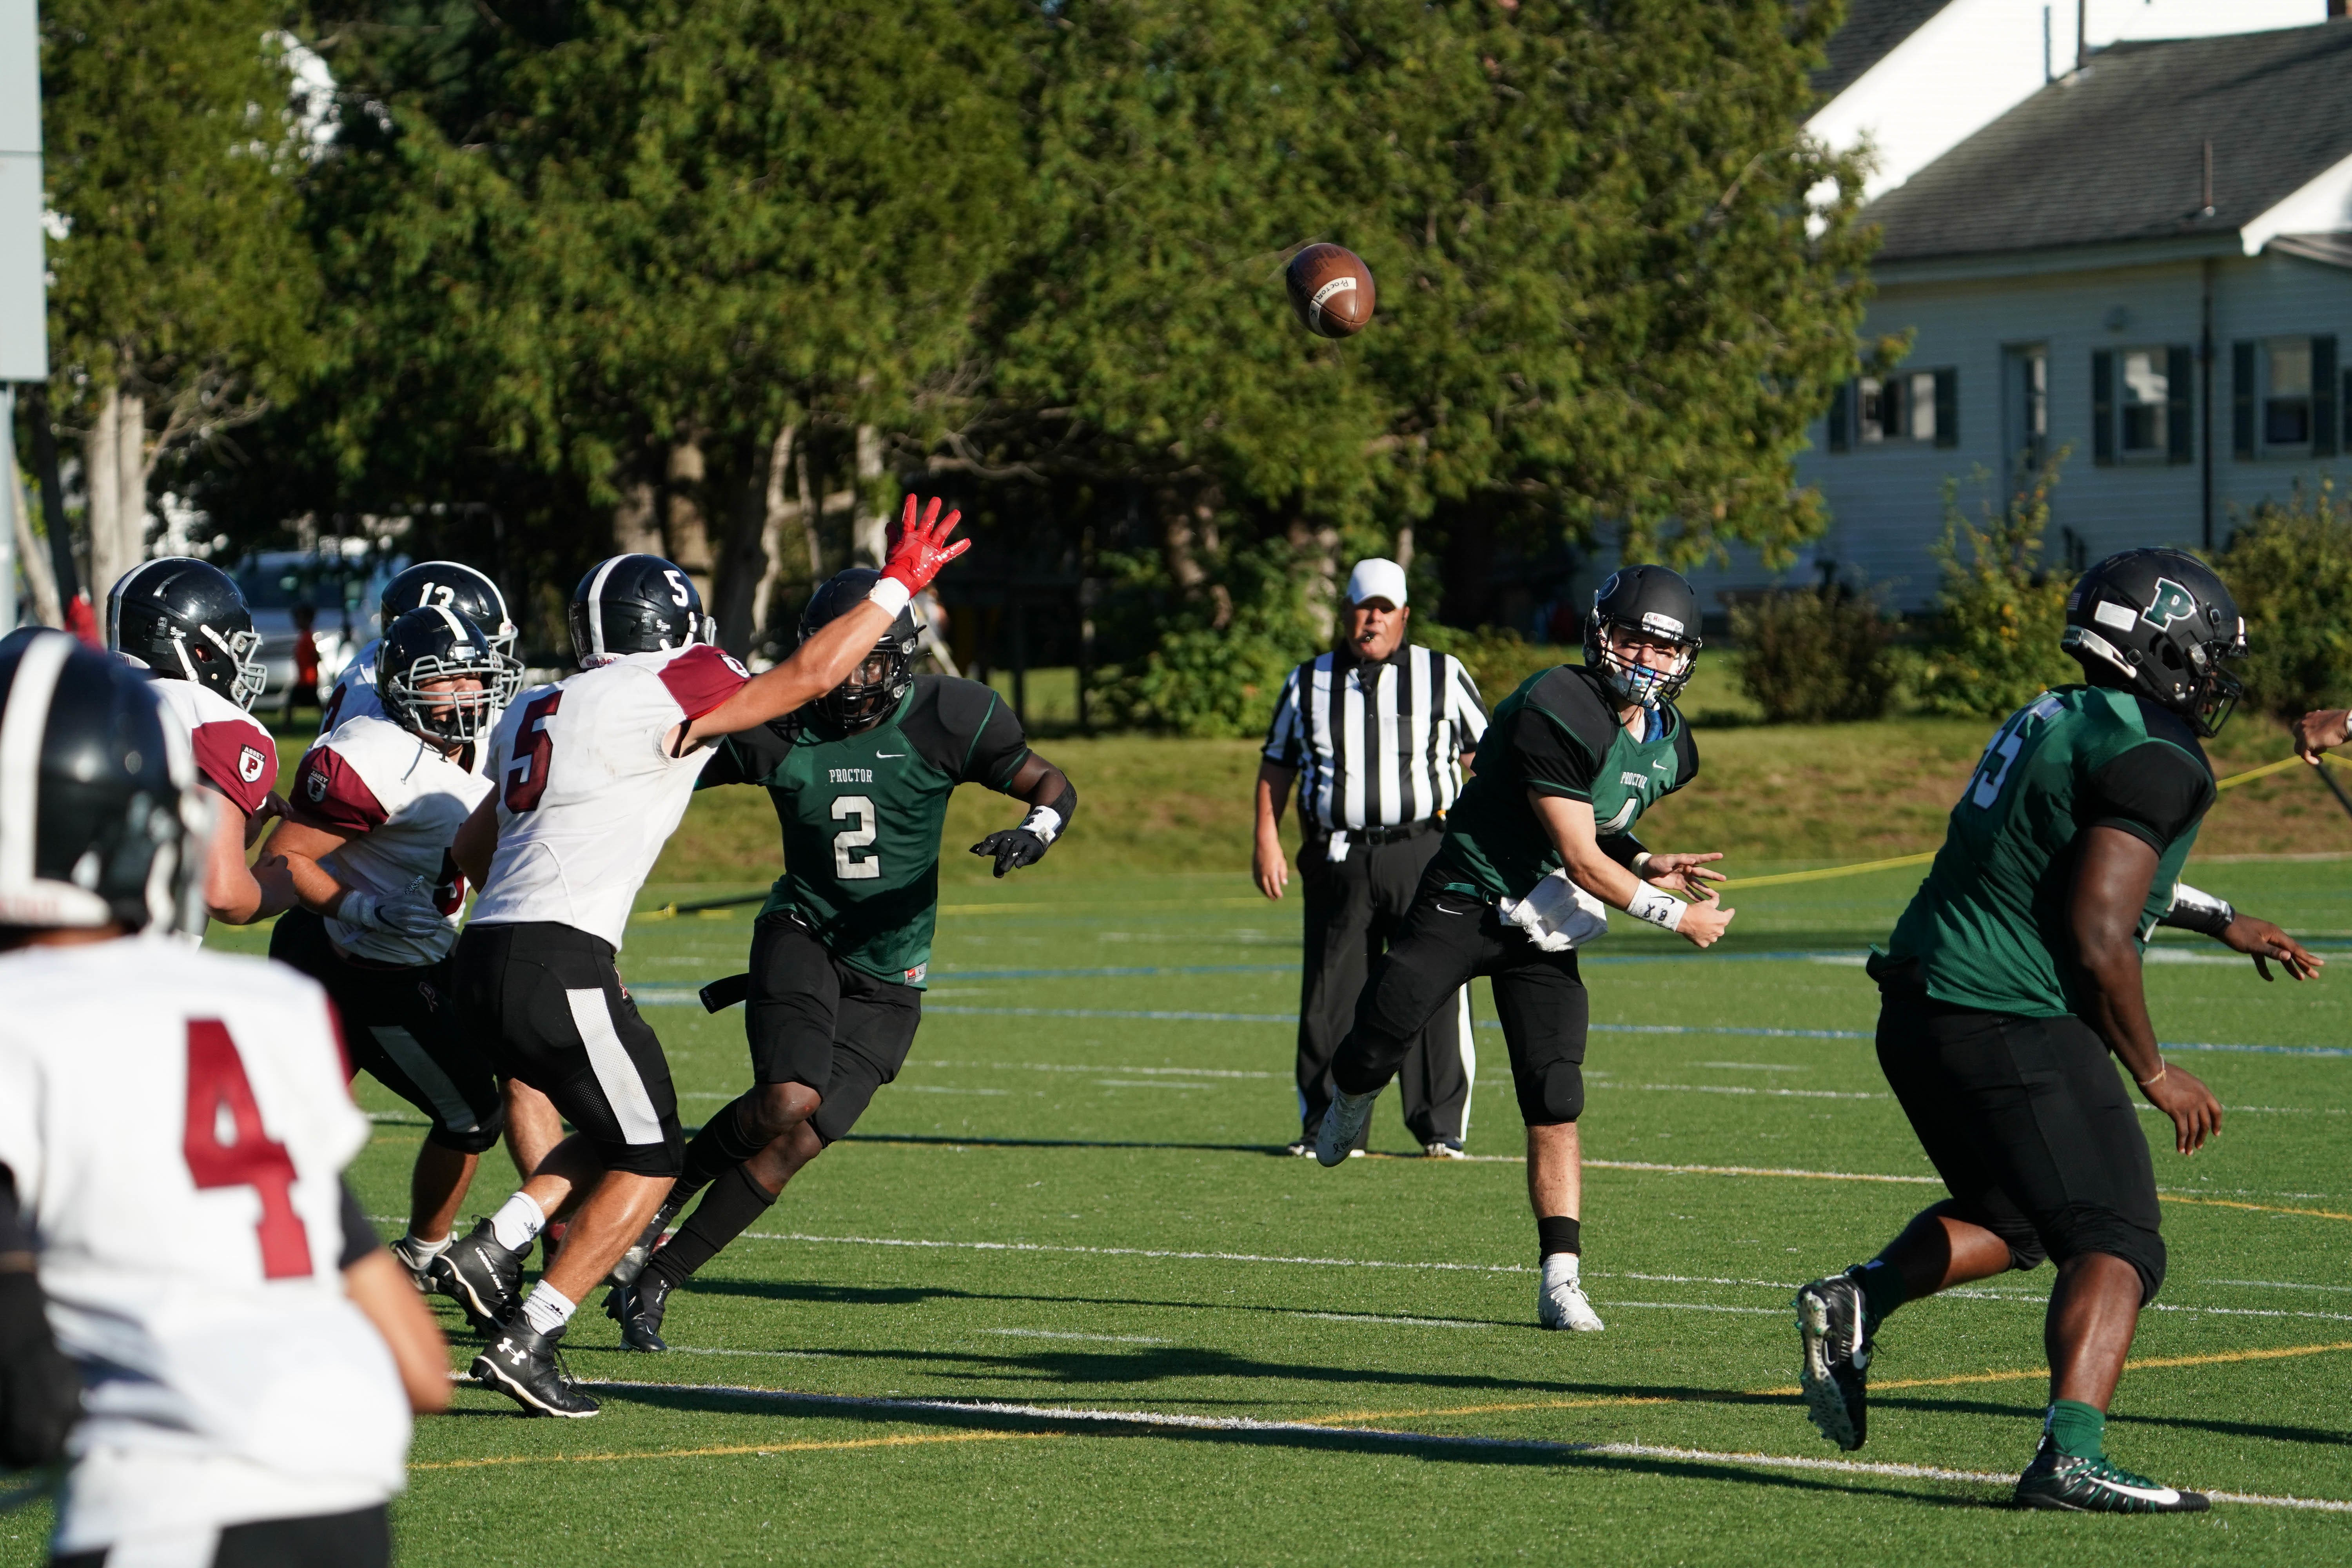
(1059, 1299)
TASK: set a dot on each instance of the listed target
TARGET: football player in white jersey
(185, 622)
(175, 1125)
(370, 817)
(592, 775)
(452, 585)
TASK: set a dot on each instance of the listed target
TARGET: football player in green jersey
(860, 779)
(1540, 841)
(2009, 981)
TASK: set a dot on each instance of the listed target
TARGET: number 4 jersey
(1990, 926)
(177, 1125)
(588, 793)
(862, 814)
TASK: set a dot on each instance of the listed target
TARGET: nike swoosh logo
(879, 755)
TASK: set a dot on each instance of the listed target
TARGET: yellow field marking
(1611, 1401)
(2150, 1363)
(2258, 1208)
(901, 1442)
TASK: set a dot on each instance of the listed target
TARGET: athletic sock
(546, 1309)
(424, 1251)
(719, 1148)
(734, 1203)
(2079, 1430)
(1559, 1233)
(1883, 1290)
(518, 1220)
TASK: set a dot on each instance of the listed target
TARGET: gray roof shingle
(1869, 33)
(2116, 151)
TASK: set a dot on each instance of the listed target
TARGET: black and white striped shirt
(1376, 746)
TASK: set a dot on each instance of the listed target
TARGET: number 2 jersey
(398, 801)
(1989, 927)
(588, 793)
(176, 1123)
(862, 814)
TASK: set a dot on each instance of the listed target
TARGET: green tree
(184, 285)
(2290, 569)
(2001, 608)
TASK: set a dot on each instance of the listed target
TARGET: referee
(1376, 734)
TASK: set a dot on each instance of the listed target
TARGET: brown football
(1331, 290)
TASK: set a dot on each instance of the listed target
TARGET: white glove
(408, 912)
(1557, 914)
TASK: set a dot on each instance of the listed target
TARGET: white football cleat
(1343, 1123)
(1561, 1302)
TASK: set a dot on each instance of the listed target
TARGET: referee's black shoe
(485, 1277)
(520, 1363)
(2056, 1481)
(638, 1308)
(1833, 1331)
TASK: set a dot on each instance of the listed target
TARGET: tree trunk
(1404, 546)
(33, 559)
(869, 525)
(745, 562)
(114, 468)
(636, 527)
(685, 525)
(781, 513)
(812, 516)
(1318, 548)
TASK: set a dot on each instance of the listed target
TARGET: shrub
(2001, 610)
(2290, 569)
(1206, 680)
(1497, 657)
(1811, 655)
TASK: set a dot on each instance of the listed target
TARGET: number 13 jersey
(177, 1125)
(587, 791)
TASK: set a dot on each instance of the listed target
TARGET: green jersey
(1558, 734)
(862, 814)
(1989, 927)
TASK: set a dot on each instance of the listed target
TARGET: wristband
(2161, 1068)
(1044, 822)
(890, 594)
(1658, 907)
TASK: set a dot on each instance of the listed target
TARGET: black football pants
(1355, 909)
(1540, 999)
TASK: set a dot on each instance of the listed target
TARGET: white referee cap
(1376, 579)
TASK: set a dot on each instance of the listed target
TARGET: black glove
(40, 1391)
(1013, 849)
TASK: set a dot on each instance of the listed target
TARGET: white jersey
(354, 694)
(235, 752)
(588, 793)
(177, 1124)
(399, 803)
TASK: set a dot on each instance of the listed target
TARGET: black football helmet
(874, 688)
(99, 820)
(438, 643)
(454, 586)
(1656, 602)
(636, 603)
(184, 619)
(2162, 624)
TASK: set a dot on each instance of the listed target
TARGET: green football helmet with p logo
(2162, 624)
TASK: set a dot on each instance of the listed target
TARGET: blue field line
(657, 996)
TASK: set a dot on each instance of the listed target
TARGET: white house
(2146, 262)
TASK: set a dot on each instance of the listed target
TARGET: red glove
(923, 548)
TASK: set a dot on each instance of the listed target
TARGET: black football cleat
(638, 1306)
(1834, 1337)
(633, 1262)
(2054, 1481)
(484, 1277)
(520, 1363)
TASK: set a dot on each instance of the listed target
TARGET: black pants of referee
(1355, 911)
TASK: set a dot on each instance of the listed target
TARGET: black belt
(1396, 835)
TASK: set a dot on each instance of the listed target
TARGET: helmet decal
(2172, 602)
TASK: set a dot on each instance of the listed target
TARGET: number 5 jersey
(177, 1125)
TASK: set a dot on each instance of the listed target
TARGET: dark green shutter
(1947, 407)
(2103, 406)
(2241, 401)
(2323, 397)
(1841, 418)
(2180, 404)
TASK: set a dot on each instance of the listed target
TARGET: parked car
(342, 590)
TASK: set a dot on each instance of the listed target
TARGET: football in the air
(1331, 290)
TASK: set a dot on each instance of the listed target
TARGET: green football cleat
(2054, 1481)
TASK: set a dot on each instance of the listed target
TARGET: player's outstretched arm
(380, 1287)
(290, 860)
(824, 661)
(2320, 729)
(2193, 910)
(1053, 801)
(2111, 886)
(1569, 824)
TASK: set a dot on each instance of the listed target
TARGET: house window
(2141, 403)
(2286, 392)
(1918, 406)
(2026, 399)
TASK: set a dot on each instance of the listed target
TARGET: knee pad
(1551, 1095)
